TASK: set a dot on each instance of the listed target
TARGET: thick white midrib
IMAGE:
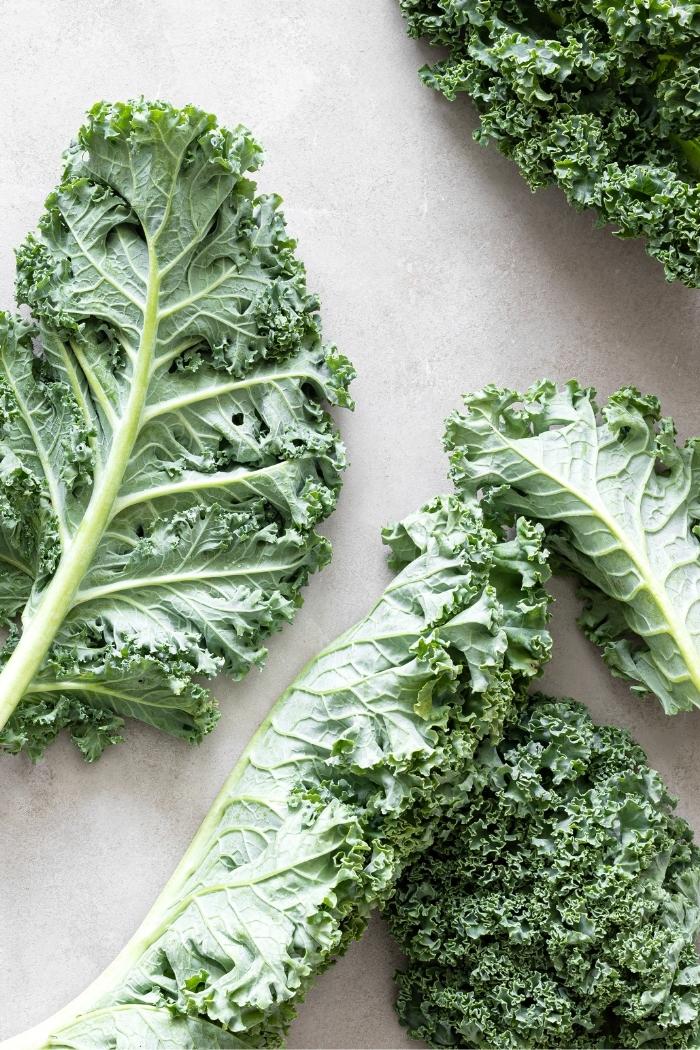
(640, 561)
(51, 610)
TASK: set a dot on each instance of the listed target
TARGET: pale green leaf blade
(619, 499)
(165, 448)
(145, 1027)
(341, 785)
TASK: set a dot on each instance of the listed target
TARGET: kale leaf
(341, 785)
(621, 504)
(559, 907)
(598, 97)
(164, 450)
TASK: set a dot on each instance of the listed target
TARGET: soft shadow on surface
(354, 992)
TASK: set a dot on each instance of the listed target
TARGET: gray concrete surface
(438, 271)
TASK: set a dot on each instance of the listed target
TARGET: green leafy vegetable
(620, 500)
(599, 97)
(340, 786)
(560, 906)
(164, 453)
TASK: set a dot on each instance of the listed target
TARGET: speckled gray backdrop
(438, 271)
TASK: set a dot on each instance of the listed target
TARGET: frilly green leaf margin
(619, 499)
(559, 906)
(340, 786)
(597, 97)
(165, 454)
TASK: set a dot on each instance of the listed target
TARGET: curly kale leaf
(598, 97)
(620, 501)
(164, 450)
(559, 907)
(342, 784)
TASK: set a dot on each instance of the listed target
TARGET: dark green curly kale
(599, 97)
(559, 908)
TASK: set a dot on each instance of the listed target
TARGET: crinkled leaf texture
(598, 97)
(340, 786)
(619, 499)
(164, 450)
(560, 905)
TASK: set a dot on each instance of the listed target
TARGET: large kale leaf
(164, 452)
(341, 785)
(620, 501)
(559, 907)
(598, 97)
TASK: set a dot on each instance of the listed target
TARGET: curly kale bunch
(599, 97)
(562, 907)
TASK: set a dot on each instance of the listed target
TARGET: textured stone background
(438, 271)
